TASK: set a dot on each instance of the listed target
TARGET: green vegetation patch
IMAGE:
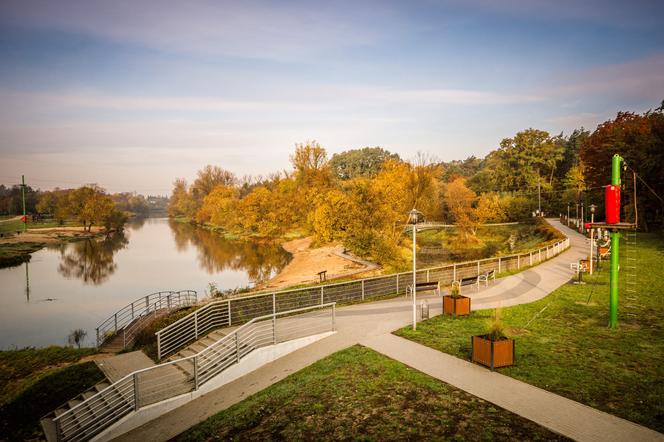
(563, 344)
(34, 382)
(360, 394)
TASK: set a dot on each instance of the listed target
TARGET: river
(79, 284)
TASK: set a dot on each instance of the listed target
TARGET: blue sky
(131, 95)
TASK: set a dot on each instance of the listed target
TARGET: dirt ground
(307, 262)
(49, 235)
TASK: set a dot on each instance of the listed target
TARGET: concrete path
(372, 324)
(117, 367)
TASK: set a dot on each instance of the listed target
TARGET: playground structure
(614, 226)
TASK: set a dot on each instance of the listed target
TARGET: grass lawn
(17, 225)
(36, 381)
(564, 346)
(359, 394)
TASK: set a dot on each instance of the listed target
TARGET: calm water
(78, 285)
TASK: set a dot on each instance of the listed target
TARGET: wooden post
(321, 296)
(229, 313)
(363, 290)
(499, 264)
(478, 271)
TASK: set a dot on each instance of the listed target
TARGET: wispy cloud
(285, 30)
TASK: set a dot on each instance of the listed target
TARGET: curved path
(371, 325)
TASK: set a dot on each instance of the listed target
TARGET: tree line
(361, 197)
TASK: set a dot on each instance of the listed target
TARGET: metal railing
(132, 318)
(224, 313)
(171, 379)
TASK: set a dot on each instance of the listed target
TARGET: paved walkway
(372, 324)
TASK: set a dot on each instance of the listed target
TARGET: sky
(133, 94)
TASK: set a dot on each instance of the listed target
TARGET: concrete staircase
(47, 421)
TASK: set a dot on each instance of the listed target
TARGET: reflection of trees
(91, 260)
(215, 254)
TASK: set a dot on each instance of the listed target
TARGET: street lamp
(583, 219)
(592, 235)
(413, 218)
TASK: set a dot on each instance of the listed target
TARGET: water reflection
(91, 260)
(260, 261)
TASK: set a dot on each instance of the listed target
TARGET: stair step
(101, 386)
(217, 334)
(59, 411)
(197, 347)
(208, 341)
(88, 394)
(74, 402)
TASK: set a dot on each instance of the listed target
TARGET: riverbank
(308, 262)
(16, 248)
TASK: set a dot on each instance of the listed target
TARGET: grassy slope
(568, 349)
(359, 394)
(36, 381)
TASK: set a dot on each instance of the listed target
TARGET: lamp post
(413, 218)
(583, 219)
(592, 235)
(567, 215)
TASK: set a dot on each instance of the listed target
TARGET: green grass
(564, 346)
(21, 368)
(17, 225)
(34, 382)
(358, 394)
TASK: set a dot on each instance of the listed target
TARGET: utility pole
(25, 219)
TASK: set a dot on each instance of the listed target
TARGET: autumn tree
(355, 163)
(459, 200)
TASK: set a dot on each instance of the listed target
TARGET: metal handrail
(189, 328)
(128, 317)
(88, 418)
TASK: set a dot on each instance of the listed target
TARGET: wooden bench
(470, 280)
(424, 287)
(322, 276)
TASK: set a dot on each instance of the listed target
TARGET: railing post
(136, 390)
(321, 296)
(427, 275)
(158, 346)
(518, 261)
(274, 303)
(531, 258)
(334, 316)
(454, 272)
(539, 252)
(499, 264)
(363, 290)
(58, 431)
(196, 324)
(132, 310)
(196, 372)
(397, 283)
(274, 328)
(229, 313)
(237, 347)
(168, 301)
(97, 329)
(147, 303)
(478, 268)
(115, 316)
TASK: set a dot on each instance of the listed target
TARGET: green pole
(25, 220)
(615, 251)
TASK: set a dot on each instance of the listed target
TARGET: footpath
(371, 325)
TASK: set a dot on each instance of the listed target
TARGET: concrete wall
(251, 362)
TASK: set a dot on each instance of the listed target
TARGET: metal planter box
(493, 354)
(459, 306)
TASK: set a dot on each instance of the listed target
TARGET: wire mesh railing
(132, 318)
(170, 379)
(224, 313)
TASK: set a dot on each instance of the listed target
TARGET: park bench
(580, 267)
(322, 275)
(423, 287)
(477, 280)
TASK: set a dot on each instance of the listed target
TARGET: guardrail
(171, 379)
(224, 313)
(131, 319)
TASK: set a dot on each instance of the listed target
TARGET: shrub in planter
(493, 349)
(455, 304)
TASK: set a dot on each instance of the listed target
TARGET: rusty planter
(457, 306)
(493, 354)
